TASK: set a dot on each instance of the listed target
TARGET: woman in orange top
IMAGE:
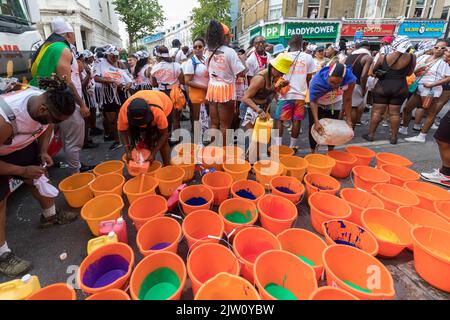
(143, 122)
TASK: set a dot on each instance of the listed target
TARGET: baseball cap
(139, 113)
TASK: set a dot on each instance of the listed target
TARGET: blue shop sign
(420, 29)
(153, 37)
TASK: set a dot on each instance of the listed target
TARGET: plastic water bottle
(19, 289)
(98, 242)
(205, 171)
(119, 227)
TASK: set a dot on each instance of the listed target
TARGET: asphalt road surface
(43, 247)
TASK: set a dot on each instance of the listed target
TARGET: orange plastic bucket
(113, 294)
(319, 163)
(249, 244)
(281, 151)
(107, 184)
(208, 260)
(220, 184)
(241, 205)
(265, 170)
(113, 166)
(76, 189)
(57, 291)
(348, 268)
(420, 217)
(332, 293)
(238, 171)
(153, 262)
(392, 158)
(152, 168)
(319, 182)
(132, 187)
(202, 226)
(276, 213)
(159, 234)
(101, 208)
(345, 162)
(295, 189)
(366, 177)
(285, 271)
(391, 231)
(232, 154)
(305, 245)
(432, 256)
(188, 165)
(350, 234)
(195, 191)
(325, 207)
(364, 155)
(442, 208)
(295, 166)
(107, 259)
(248, 189)
(399, 174)
(169, 179)
(147, 208)
(225, 286)
(394, 196)
(212, 157)
(427, 193)
(359, 200)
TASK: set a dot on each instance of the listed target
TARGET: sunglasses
(440, 48)
(198, 47)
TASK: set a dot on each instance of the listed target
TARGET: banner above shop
(381, 30)
(312, 30)
(422, 29)
(272, 31)
(255, 32)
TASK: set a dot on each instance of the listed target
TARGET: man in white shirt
(259, 59)
(176, 48)
(291, 106)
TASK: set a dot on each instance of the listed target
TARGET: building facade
(317, 20)
(94, 21)
(181, 31)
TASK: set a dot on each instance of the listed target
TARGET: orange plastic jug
(98, 242)
(19, 289)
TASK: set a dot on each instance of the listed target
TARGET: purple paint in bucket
(160, 246)
(105, 271)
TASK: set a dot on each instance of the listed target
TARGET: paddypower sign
(312, 30)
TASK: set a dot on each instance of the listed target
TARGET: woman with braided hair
(26, 124)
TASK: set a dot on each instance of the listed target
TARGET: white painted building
(181, 31)
(94, 21)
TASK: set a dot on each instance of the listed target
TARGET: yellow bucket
(295, 166)
(101, 208)
(76, 189)
(113, 166)
(169, 179)
(107, 184)
(319, 163)
(237, 171)
(187, 164)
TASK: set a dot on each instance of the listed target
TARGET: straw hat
(282, 63)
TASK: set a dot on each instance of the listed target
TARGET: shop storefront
(370, 32)
(315, 32)
(422, 30)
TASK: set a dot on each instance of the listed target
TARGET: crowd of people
(224, 87)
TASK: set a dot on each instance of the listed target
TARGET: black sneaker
(86, 168)
(13, 266)
(96, 132)
(90, 145)
(60, 218)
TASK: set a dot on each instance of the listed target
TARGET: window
(431, 9)
(358, 8)
(326, 13)
(300, 4)
(408, 8)
(275, 8)
(100, 5)
(109, 11)
(445, 11)
(371, 9)
(13, 8)
(313, 9)
(420, 8)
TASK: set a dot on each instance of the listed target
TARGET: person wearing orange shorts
(143, 122)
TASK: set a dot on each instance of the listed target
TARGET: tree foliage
(141, 17)
(209, 9)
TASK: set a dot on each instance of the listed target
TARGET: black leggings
(322, 113)
(390, 91)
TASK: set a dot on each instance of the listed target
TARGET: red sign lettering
(382, 30)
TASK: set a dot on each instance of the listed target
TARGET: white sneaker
(403, 131)
(436, 177)
(434, 126)
(385, 124)
(416, 139)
